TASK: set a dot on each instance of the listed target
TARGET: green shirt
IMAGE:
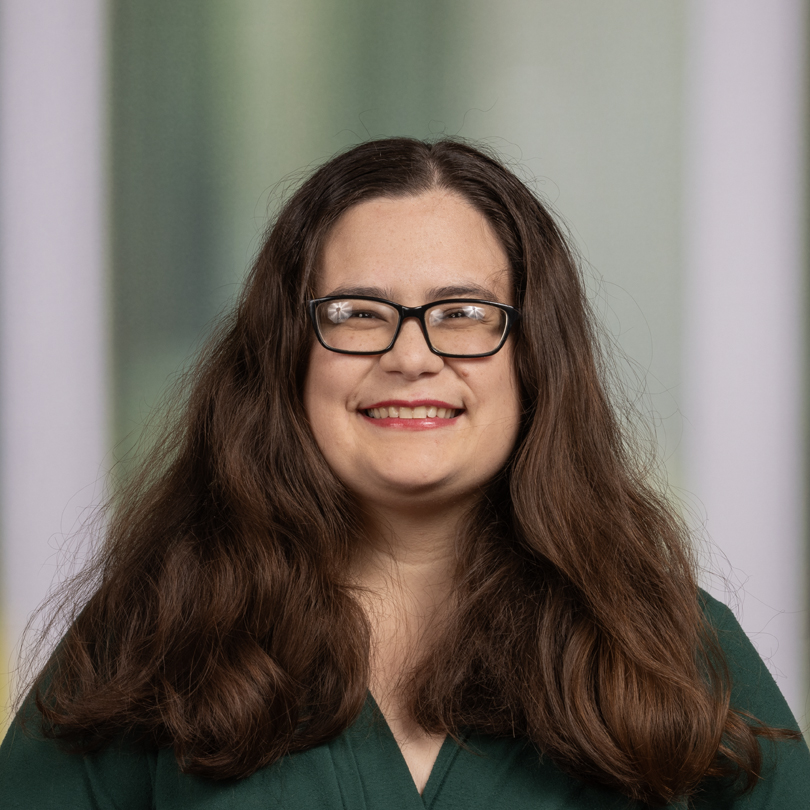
(363, 769)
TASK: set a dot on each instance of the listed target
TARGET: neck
(405, 584)
(413, 550)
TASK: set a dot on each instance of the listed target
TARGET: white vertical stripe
(743, 309)
(52, 296)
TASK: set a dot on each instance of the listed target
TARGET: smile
(419, 412)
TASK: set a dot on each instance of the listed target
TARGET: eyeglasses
(455, 327)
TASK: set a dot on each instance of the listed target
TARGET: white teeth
(419, 412)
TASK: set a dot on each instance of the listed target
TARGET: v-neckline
(378, 743)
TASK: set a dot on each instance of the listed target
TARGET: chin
(421, 492)
(414, 485)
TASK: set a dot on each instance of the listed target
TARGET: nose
(411, 354)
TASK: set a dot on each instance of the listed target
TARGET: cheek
(496, 391)
(323, 398)
(508, 404)
(330, 394)
(502, 387)
(323, 417)
(313, 393)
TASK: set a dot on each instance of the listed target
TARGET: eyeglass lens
(464, 328)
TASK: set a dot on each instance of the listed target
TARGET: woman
(397, 545)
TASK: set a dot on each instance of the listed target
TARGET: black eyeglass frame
(512, 316)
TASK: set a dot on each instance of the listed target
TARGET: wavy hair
(221, 621)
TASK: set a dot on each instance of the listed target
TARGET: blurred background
(144, 145)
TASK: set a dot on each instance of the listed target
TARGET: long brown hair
(221, 623)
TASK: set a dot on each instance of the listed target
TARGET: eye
(469, 312)
(472, 312)
(354, 314)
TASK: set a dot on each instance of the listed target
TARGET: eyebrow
(373, 292)
(433, 294)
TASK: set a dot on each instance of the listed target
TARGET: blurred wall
(216, 109)
(743, 344)
(54, 331)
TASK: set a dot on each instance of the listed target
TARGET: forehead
(408, 246)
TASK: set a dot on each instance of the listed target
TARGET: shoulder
(718, 614)
(714, 609)
(785, 773)
(38, 773)
(753, 687)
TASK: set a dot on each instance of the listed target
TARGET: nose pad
(412, 328)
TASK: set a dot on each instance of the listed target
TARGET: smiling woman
(396, 551)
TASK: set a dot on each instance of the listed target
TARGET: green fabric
(363, 768)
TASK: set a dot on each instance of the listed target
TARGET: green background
(218, 108)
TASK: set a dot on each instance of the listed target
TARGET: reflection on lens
(356, 324)
(339, 311)
(458, 314)
(466, 329)
(476, 313)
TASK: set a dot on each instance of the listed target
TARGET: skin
(415, 479)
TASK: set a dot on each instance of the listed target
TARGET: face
(413, 250)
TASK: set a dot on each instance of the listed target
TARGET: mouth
(419, 412)
(411, 410)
